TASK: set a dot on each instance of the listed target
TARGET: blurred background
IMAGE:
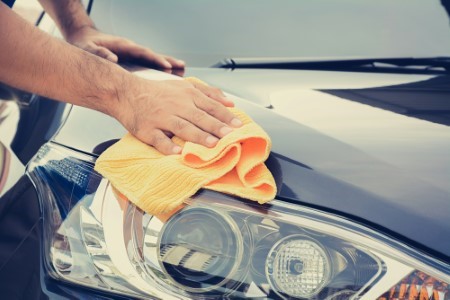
(28, 9)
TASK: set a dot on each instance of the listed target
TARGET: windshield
(203, 32)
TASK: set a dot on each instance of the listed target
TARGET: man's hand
(114, 48)
(79, 30)
(155, 110)
(151, 110)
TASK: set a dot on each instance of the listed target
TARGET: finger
(176, 63)
(161, 142)
(178, 72)
(217, 110)
(138, 52)
(208, 123)
(158, 60)
(106, 54)
(187, 131)
(214, 93)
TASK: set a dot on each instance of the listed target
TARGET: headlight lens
(198, 247)
(214, 247)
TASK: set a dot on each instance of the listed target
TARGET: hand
(112, 48)
(154, 110)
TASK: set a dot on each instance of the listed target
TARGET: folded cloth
(159, 183)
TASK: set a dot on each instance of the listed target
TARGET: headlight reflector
(298, 267)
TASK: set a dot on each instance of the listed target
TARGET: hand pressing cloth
(159, 183)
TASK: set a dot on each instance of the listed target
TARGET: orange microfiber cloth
(157, 183)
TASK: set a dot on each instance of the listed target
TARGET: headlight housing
(214, 247)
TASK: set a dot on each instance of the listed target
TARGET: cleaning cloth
(159, 183)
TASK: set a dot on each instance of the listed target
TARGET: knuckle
(224, 115)
(213, 125)
(200, 136)
(198, 116)
(190, 91)
(211, 109)
(199, 140)
(157, 140)
(99, 50)
(93, 50)
(102, 53)
(193, 134)
(158, 111)
(179, 125)
(90, 45)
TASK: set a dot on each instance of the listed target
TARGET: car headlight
(215, 246)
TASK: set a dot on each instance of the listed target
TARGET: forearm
(79, 30)
(34, 61)
(69, 15)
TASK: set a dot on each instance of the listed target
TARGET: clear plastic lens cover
(418, 285)
(212, 247)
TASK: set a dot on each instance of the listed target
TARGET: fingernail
(181, 62)
(236, 122)
(176, 149)
(211, 140)
(228, 102)
(225, 130)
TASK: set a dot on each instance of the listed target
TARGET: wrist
(69, 15)
(126, 86)
(102, 86)
(72, 32)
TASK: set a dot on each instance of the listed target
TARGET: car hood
(354, 144)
